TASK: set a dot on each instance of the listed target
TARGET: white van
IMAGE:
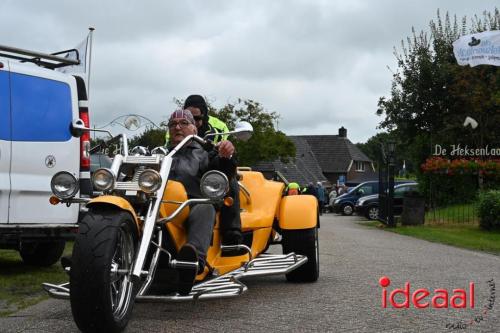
(37, 107)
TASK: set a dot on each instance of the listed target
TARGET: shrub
(489, 209)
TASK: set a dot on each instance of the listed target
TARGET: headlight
(214, 185)
(336, 201)
(103, 179)
(149, 181)
(360, 203)
(64, 185)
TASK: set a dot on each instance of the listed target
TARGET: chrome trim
(60, 291)
(127, 186)
(116, 165)
(245, 192)
(37, 226)
(181, 207)
(153, 265)
(76, 200)
(150, 220)
(146, 160)
(214, 172)
(172, 202)
(75, 190)
(183, 264)
(224, 286)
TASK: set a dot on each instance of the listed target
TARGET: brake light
(85, 140)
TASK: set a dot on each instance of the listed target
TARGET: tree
(373, 149)
(431, 94)
(152, 137)
(266, 142)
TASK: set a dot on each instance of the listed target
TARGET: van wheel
(304, 242)
(41, 254)
(347, 209)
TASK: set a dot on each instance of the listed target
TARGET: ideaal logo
(439, 299)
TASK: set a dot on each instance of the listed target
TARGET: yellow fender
(298, 212)
(111, 200)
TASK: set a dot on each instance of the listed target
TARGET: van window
(4, 107)
(41, 109)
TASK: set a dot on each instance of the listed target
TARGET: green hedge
(444, 190)
(489, 209)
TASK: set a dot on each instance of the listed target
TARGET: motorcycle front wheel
(101, 291)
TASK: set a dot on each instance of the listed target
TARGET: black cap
(196, 101)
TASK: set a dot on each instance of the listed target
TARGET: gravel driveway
(347, 297)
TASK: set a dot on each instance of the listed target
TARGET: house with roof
(325, 158)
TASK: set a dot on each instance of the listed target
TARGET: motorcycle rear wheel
(101, 291)
(304, 242)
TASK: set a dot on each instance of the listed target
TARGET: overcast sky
(320, 64)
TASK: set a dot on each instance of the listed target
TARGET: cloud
(320, 64)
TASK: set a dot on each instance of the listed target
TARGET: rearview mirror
(243, 131)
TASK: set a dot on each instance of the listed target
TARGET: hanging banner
(84, 54)
(478, 49)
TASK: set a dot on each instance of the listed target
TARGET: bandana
(182, 114)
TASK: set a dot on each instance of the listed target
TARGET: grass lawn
(461, 235)
(461, 213)
(22, 284)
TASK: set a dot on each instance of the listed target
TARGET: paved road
(347, 297)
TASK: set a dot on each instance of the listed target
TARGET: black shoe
(187, 275)
(232, 237)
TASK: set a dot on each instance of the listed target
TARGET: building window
(360, 166)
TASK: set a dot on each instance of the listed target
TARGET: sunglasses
(198, 118)
(182, 124)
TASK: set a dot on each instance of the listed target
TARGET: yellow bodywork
(258, 211)
(298, 212)
(261, 204)
(118, 202)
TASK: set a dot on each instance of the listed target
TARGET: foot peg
(236, 250)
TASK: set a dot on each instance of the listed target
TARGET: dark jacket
(192, 161)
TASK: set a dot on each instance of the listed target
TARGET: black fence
(386, 193)
(450, 203)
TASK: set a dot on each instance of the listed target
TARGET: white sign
(478, 49)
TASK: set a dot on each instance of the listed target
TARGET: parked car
(344, 204)
(37, 106)
(368, 206)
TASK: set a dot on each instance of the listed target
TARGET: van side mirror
(77, 128)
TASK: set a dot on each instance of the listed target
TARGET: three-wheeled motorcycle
(128, 239)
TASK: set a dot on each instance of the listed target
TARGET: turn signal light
(228, 201)
(54, 200)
